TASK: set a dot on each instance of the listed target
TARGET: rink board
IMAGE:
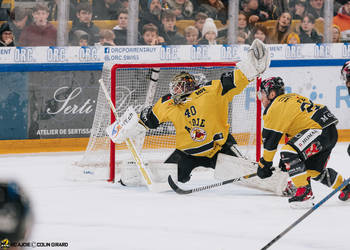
(77, 144)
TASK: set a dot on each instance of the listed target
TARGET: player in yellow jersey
(200, 113)
(311, 130)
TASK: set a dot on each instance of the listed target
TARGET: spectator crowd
(202, 22)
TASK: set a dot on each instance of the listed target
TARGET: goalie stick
(346, 182)
(144, 171)
(179, 190)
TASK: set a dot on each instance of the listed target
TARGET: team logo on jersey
(198, 134)
(313, 149)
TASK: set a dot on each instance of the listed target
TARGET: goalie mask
(272, 83)
(345, 72)
(181, 86)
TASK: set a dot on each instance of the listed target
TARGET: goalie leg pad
(161, 171)
(130, 175)
(229, 167)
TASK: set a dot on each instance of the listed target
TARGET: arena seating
(109, 24)
(271, 24)
(182, 24)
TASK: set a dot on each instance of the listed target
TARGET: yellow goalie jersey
(290, 114)
(201, 120)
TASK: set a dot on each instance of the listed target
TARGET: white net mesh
(132, 88)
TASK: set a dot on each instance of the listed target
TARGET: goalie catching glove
(258, 60)
(127, 126)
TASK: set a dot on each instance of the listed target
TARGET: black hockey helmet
(345, 71)
(182, 85)
(272, 83)
(15, 213)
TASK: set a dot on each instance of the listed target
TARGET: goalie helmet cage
(142, 85)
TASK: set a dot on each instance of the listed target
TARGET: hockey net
(141, 85)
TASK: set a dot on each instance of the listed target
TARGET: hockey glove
(282, 166)
(264, 168)
(258, 60)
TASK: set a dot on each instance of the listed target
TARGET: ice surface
(96, 215)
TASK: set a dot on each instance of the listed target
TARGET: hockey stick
(144, 171)
(346, 182)
(179, 190)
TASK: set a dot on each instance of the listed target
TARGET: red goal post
(142, 85)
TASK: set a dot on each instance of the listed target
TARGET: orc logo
(198, 134)
(199, 52)
(230, 52)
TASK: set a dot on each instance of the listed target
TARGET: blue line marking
(32, 67)
(308, 63)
